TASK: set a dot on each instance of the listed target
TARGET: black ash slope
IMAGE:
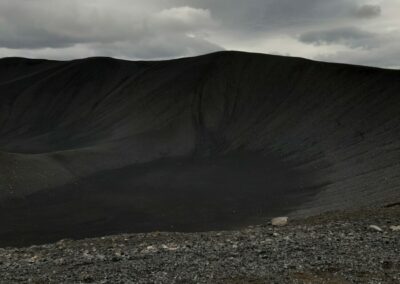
(99, 146)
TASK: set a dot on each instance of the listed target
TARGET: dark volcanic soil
(330, 248)
(102, 146)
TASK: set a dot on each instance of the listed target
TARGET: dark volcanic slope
(99, 145)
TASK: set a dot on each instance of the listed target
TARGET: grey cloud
(32, 25)
(35, 40)
(386, 57)
(155, 29)
(349, 36)
(368, 11)
(167, 31)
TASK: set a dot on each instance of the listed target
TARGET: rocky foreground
(346, 247)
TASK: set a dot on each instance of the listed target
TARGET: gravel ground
(331, 248)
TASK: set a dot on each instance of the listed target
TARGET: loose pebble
(280, 221)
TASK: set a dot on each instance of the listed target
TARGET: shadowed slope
(328, 134)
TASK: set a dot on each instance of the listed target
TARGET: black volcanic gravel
(330, 248)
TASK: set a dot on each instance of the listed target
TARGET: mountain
(100, 146)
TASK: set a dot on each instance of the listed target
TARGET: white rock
(33, 259)
(150, 249)
(170, 247)
(279, 221)
(395, 228)
(375, 228)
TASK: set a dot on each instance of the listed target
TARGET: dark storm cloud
(350, 36)
(156, 29)
(270, 14)
(368, 11)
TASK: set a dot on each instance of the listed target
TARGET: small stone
(115, 259)
(63, 242)
(279, 221)
(387, 265)
(395, 228)
(59, 261)
(169, 247)
(375, 228)
(118, 253)
(86, 254)
(33, 259)
(150, 249)
(86, 278)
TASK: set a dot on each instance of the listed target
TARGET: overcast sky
(350, 31)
